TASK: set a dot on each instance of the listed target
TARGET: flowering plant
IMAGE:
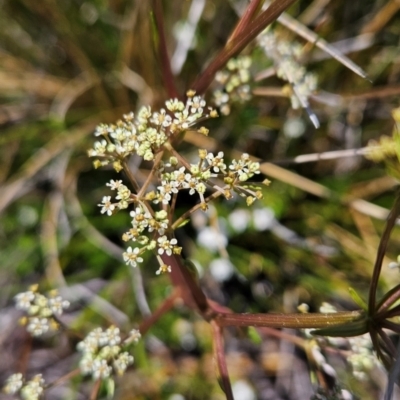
(145, 149)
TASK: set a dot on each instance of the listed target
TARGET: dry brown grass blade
(69, 93)
(312, 37)
(382, 17)
(53, 15)
(54, 231)
(137, 84)
(21, 182)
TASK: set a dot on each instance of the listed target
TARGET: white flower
(114, 185)
(140, 219)
(174, 105)
(165, 245)
(57, 305)
(122, 362)
(196, 105)
(13, 384)
(123, 193)
(112, 335)
(134, 336)
(216, 162)
(101, 130)
(100, 369)
(86, 364)
(24, 300)
(33, 389)
(107, 206)
(131, 256)
(161, 118)
(38, 326)
(193, 184)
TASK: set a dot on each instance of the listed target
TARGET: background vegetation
(70, 65)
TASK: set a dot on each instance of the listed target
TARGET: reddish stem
(391, 221)
(234, 47)
(246, 18)
(168, 77)
(95, 390)
(221, 361)
(296, 321)
(190, 290)
(391, 325)
(393, 312)
(166, 305)
(389, 299)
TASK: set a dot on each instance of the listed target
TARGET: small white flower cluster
(102, 352)
(30, 390)
(362, 358)
(210, 166)
(146, 133)
(285, 56)
(234, 80)
(395, 264)
(163, 245)
(145, 221)
(123, 196)
(40, 310)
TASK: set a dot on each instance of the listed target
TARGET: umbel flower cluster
(29, 390)
(146, 133)
(150, 135)
(285, 57)
(41, 310)
(234, 80)
(103, 353)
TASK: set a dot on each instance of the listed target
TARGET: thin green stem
(181, 159)
(146, 184)
(130, 176)
(185, 215)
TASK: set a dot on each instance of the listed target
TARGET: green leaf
(348, 329)
(358, 299)
(254, 336)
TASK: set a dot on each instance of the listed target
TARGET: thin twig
(166, 305)
(391, 221)
(248, 15)
(95, 390)
(157, 160)
(221, 361)
(168, 77)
